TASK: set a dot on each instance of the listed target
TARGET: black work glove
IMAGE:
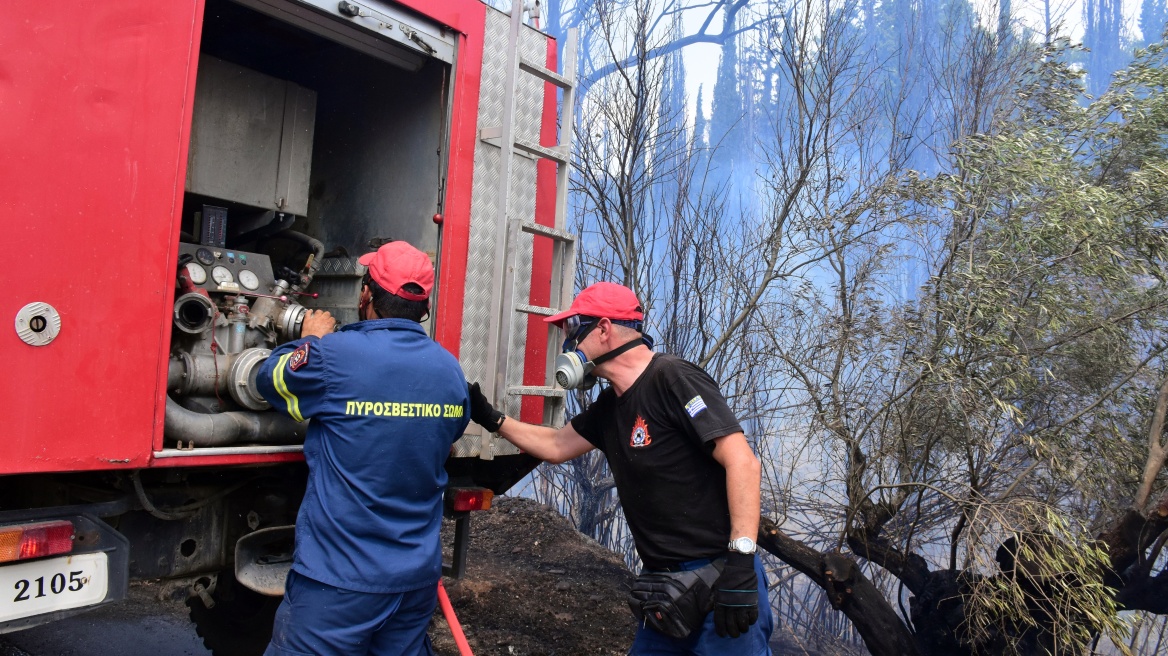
(736, 596)
(481, 411)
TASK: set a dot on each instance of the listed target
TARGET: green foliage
(1052, 573)
(1040, 340)
(1053, 260)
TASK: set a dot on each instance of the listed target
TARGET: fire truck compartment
(351, 144)
(308, 148)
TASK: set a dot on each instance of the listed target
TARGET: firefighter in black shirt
(687, 478)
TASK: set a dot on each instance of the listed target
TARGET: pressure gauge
(249, 279)
(221, 275)
(205, 256)
(196, 273)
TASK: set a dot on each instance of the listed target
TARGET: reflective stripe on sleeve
(282, 388)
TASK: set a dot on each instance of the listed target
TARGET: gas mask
(573, 368)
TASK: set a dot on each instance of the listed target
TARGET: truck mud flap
(264, 558)
(497, 475)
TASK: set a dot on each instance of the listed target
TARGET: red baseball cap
(396, 264)
(603, 300)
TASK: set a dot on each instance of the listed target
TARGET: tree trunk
(1134, 540)
(848, 590)
(1129, 538)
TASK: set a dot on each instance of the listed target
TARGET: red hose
(452, 620)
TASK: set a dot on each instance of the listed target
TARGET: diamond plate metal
(477, 304)
(341, 266)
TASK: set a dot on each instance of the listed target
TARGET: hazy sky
(701, 61)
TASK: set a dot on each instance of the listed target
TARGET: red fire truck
(179, 182)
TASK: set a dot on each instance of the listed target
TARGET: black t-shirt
(657, 437)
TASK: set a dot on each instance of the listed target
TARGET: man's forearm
(545, 442)
(530, 438)
(539, 441)
(743, 483)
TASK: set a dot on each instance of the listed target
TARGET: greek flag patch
(695, 406)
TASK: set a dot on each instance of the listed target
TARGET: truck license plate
(44, 586)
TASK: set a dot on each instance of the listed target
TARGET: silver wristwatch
(742, 545)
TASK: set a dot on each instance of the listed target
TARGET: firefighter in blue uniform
(384, 403)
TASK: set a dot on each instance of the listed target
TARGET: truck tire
(240, 623)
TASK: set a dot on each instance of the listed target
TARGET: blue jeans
(319, 619)
(705, 640)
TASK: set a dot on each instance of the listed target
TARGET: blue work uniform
(384, 403)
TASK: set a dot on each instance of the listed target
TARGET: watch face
(743, 545)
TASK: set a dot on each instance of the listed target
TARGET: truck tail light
(463, 499)
(25, 541)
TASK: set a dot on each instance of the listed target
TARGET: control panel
(228, 271)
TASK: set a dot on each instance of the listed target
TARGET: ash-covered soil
(535, 586)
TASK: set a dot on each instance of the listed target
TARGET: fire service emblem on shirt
(299, 357)
(640, 436)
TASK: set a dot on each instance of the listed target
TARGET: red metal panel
(92, 128)
(535, 362)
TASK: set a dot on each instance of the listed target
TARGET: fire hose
(452, 620)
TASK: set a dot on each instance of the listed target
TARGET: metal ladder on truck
(507, 242)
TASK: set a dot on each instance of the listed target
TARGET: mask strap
(615, 352)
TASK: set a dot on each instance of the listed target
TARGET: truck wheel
(239, 624)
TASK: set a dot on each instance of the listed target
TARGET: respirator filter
(573, 369)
